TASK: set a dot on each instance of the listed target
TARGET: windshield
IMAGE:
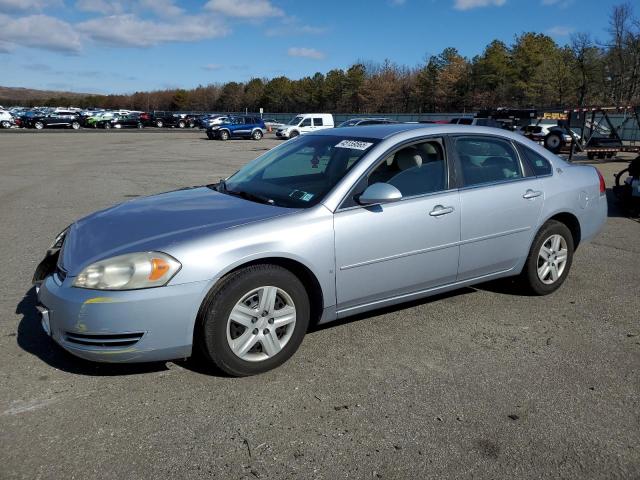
(348, 123)
(295, 121)
(299, 173)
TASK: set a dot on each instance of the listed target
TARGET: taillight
(603, 187)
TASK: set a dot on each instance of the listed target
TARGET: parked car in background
(6, 119)
(168, 119)
(551, 135)
(478, 122)
(146, 119)
(93, 120)
(305, 123)
(238, 127)
(272, 123)
(354, 122)
(63, 119)
(131, 120)
(334, 224)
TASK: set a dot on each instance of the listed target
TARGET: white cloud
(560, 31)
(305, 52)
(212, 66)
(105, 7)
(39, 31)
(27, 5)
(244, 8)
(469, 4)
(162, 8)
(130, 31)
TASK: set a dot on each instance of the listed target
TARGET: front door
(394, 249)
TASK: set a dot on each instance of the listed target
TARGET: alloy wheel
(261, 324)
(552, 259)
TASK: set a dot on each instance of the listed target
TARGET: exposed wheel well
(572, 224)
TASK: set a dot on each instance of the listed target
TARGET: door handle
(531, 194)
(440, 210)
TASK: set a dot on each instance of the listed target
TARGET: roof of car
(382, 131)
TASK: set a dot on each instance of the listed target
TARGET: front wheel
(6, 124)
(549, 260)
(38, 125)
(140, 125)
(254, 321)
(294, 134)
(223, 135)
(159, 124)
(181, 124)
(107, 126)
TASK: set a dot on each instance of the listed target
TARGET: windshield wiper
(253, 197)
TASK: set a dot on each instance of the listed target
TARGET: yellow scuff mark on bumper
(100, 300)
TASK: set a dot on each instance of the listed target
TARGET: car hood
(157, 222)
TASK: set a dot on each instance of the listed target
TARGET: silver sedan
(322, 227)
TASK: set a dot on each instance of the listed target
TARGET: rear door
(500, 203)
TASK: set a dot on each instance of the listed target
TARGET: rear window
(317, 122)
(538, 163)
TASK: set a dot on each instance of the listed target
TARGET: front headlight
(129, 272)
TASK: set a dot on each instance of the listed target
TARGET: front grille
(111, 340)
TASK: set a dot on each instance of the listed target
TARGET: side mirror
(379, 193)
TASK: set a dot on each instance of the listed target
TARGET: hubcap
(552, 259)
(553, 141)
(261, 324)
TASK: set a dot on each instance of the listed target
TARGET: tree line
(532, 71)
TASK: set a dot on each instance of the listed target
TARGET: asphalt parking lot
(481, 383)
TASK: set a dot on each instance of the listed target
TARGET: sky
(120, 46)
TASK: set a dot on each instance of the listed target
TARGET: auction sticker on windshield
(354, 144)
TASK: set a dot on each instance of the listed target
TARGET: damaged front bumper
(144, 325)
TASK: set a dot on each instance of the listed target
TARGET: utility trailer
(589, 130)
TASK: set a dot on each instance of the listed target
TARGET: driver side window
(417, 169)
(306, 122)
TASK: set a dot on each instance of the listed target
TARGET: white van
(305, 123)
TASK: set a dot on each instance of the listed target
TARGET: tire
(620, 176)
(38, 125)
(223, 135)
(159, 124)
(294, 134)
(244, 289)
(257, 135)
(6, 124)
(118, 126)
(140, 125)
(107, 126)
(181, 124)
(553, 142)
(75, 125)
(534, 278)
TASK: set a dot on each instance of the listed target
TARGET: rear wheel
(107, 125)
(181, 124)
(254, 321)
(159, 124)
(38, 125)
(256, 135)
(549, 260)
(117, 125)
(140, 125)
(75, 125)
